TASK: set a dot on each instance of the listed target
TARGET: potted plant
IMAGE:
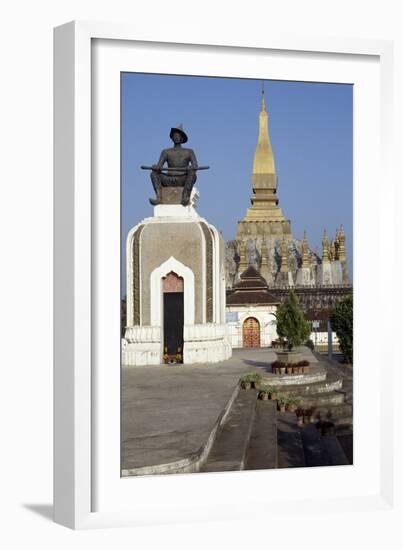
(246, 381)
(292, 404)
(282, 403)
(290, 368)
(255, 379)
(308, 416)
(304, 364)
(178, 356)
(273, 393)
(300, 416)
(165, 357)
(282, 368)
(275, 366)
(264, 392)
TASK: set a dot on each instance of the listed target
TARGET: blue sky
(310, 127)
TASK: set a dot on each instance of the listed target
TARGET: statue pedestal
(171, 195)
(175, 289)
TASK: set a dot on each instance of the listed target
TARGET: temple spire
(305, 252)
(263, 163)
(284, 256)
(325, 247)
(342, 245)
(263, 103)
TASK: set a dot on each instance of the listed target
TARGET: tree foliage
(291, 323)
(342, 324)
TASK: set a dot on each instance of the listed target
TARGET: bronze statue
(181, 170)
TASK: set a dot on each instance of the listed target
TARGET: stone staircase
(325, 388)
(229, 449)
(256, 436)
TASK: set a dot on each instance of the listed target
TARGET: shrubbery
(342, 323)
(291, 323)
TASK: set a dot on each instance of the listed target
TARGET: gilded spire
(305, 254)
(337, 245)
(263, 103)
(325, 248)
(263, 163)
(332, 250)
(284, 256)
(342, 245)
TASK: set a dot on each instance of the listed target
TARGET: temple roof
(251, 289)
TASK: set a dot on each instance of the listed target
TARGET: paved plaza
(168, 412)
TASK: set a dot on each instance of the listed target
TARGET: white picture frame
(88, 490)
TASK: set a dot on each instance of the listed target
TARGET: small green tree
(291, 323)
(342, 323)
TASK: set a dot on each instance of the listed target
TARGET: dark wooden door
(251, 333)
(173, 322)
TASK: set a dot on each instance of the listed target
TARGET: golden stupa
(264, 218)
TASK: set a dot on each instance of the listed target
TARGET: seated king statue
(181, 170)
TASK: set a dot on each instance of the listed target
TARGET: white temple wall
(264, 314)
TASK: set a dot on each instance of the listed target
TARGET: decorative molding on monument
(143, 334)
(218, 275)
(250, 228)
(205, 331)
(136, 276)
(133, 307)
(209, 271)
(172, 264)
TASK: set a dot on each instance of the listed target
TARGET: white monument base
(206, 343)
(175, 251)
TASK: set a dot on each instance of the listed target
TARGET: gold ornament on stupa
(265, 258)
(325, 248)
(284, 256)
(305, 252)
(332, 251)
(336, 245)
(342, 245)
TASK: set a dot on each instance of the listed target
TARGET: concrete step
(321, 399)
(262, 451)
(321, 450)
(315, 374)
(334, 451)
(312, 446)
(228, 451)
(338, 414)
(290, 452)
(346, 441)
(326, 386)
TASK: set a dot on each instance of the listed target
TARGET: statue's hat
(179, 129)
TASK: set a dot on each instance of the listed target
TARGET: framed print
(178, 267)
